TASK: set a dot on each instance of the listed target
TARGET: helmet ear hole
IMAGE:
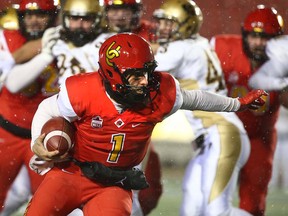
(110, 73)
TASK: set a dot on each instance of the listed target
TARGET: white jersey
(193, 63)
(73, 60)
(211, 176)
(273, 74)
(196, 66)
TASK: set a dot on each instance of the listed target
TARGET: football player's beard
(259, 55)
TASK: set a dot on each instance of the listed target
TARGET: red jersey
(237, 71)
(19, 108)
(106, 136)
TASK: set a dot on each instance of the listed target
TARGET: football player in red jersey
(240, 57)
(17, 108)
(114, 112)
(125, 16)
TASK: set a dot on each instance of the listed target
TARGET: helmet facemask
(36, 33)
(131, 96)
(81, 21)
(119, 23)
(45, 12)
(165, 30)
(186, 16)
(79, 37)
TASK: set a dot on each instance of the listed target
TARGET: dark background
(220, 16)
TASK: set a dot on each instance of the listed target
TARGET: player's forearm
(208, 101)
(27, 51)
(22, 75)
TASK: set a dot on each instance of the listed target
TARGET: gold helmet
(185, 13)
(86, 9)
(9, 19)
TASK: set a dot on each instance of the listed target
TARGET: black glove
(128, 179)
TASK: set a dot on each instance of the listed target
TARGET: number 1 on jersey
(117, 141)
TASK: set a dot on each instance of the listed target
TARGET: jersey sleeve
(64, 104)
(46, 110)
(178, 100)
(208, 101)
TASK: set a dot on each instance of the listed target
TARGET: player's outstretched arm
(208, 101)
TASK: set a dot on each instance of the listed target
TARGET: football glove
(133, 179)
(252, 100)
(49, 39)
(40, 166)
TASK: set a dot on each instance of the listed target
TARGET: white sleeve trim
(64, 104)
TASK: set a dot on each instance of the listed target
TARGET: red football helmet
(44, 5)
(36, 7)
(121, 56)
(264, 21)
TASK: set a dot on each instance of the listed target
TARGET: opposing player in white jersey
(273, 74)
(221, 140)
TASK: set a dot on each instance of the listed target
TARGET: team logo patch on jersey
(97, 122)
(119, 123)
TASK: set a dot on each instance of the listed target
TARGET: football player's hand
(252, 100)
(39, 149)
(49, 39)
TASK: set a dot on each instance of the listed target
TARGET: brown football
(59, 135)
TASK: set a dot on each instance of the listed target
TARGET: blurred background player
(273, 76)
(241, 56)
(17, 108)
(126, 16)
(9, 22)
(20, 190)
(221, 141)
